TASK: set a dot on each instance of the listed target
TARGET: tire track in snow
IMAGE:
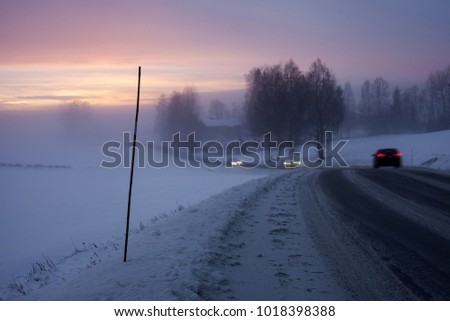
(373, 240)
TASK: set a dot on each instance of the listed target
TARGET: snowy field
(54, 196)
(70, 219)
(52, 211)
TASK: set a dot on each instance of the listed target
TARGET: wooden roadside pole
(132, 166)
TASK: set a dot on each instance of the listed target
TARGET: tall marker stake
(132, 166)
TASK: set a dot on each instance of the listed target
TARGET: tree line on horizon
(386, 109)
(298, 106)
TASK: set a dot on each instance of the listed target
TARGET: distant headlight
(289, 163)
(236, 163)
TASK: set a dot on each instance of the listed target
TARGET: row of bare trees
(291, 104)
(437, 99)
(383, 109)
(297, 106)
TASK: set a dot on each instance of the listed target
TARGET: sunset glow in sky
(57, 51)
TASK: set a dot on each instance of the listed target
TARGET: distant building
(222, 129)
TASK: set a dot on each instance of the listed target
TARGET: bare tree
(76, 117)
(375, 105)
(349, 98)
(366, 100)
(412, 101)
(326, 104)
(442, 92)
(218, 110)
(397, 121)
(431, 101)
(178, 113)
(296, 98)
(379, 91)
(265, 100)
(380, 96)
(352, 116)
(438, 99)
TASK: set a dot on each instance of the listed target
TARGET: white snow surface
(187, 255)
(162, 258)
(61, 229)
(52, 211)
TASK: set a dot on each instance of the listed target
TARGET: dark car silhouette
(387, 157)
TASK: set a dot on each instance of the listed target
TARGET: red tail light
(381, 155)
(398, 154)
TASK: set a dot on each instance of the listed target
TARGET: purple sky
(54, 51)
